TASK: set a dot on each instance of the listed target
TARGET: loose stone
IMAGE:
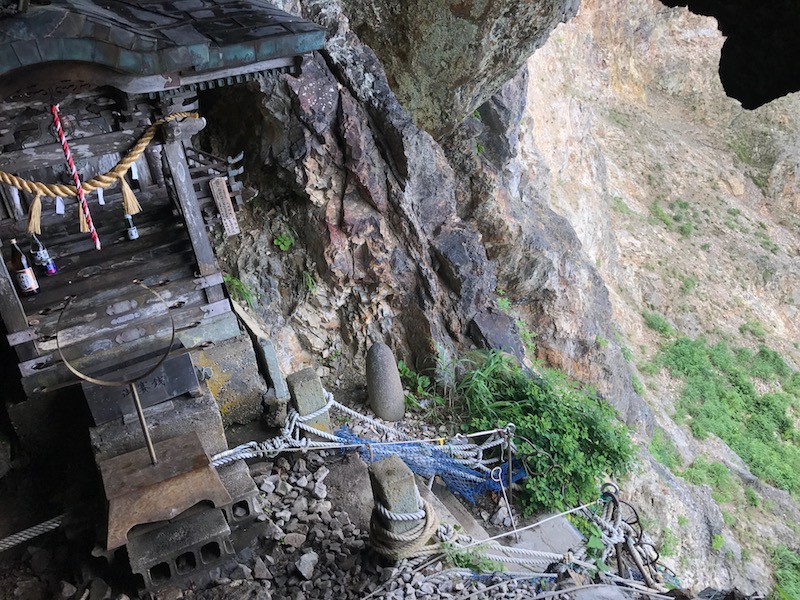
(305, 566)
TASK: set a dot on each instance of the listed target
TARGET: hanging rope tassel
(130, 204)
(82, 221)
(35, 215)
(86, 216)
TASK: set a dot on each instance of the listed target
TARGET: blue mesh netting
(426, 461)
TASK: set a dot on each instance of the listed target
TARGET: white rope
(30, 533)
(397, 516)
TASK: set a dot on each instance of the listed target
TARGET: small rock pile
(307, 549)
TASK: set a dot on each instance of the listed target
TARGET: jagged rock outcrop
(371, 197)
(444, 59)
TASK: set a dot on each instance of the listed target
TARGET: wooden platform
(172, 256)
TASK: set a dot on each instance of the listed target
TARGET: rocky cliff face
(686, 204)
(444, 59)
(366, 229)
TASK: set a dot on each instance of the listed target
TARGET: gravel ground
(313, 551)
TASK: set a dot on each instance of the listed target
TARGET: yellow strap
(101, 181)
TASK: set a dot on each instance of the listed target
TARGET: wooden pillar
(175, 156)
(13, 314)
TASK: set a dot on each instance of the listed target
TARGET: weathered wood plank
(47, 372)
(86, 274)
(13, 313)
(99, 325)
(49, 155)
(193, 217)
(171, 284)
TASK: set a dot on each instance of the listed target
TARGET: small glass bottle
(41, 257)
(22, 271)
(133, 233)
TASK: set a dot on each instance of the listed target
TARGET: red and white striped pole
(75, 177)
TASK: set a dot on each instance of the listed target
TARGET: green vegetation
(238, 290)
(577, 430)
(686, 229)
(669, 543)
(787, 574)
(619, 118)
(479, 148)
(682, 521)
(688, 283)
(751, 497)
(422, 393)
(716, 542)
(658, 323)
(766, 243)
(567, 437)
(663, 450)
(705, 247)
(724, 486)
(284, 240)
(526, 336)
(720, 397)
(503, 303)
(601, 341)
(756, 150)
(472, 559)
(754, 328)
(659, 215)
(637, 385)
(310, 282)
(618, 205)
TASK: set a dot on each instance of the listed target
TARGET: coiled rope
(414, 542)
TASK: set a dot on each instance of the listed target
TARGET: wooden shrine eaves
(220, 38)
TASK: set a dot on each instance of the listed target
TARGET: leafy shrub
(658, 323)
(658, 213)
(717, 542)
(637, 385)
(669, 543)
(570, 437)
(752, 497)
(284, 240)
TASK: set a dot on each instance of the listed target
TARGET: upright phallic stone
(383, 383)
(308, 397)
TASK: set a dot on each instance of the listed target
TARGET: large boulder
(444, 59)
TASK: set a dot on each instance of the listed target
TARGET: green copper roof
(142, 39)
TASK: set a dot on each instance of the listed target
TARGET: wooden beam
(48, 155)
(12, 312)
(193, 217)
